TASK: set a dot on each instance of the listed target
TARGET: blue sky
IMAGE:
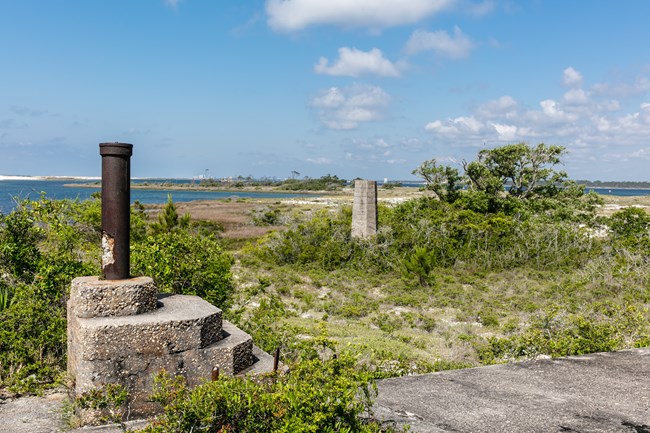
(357, 88)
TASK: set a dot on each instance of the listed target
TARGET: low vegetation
(506, 260)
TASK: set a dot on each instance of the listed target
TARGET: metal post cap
(115, 149)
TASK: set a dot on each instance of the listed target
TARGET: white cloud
(411, 143)
(376, 150)
(583, 120)
(345, 108)
(640, 86)
(504, 107)
(572, 77)
(555, 113)
(457, 46)
(285, 15)
(378, 143)
(353, 63)
(506, 132)
(466, 126)
(576, 97)
(319, 161)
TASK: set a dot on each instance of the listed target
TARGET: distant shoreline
(18, 177)
(164, 185)
(187, 187)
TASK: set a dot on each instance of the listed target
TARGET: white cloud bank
(347, 107)
(292, 15)
(457, 46)
(353, 63)
(582, 119)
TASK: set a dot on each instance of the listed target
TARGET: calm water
(55, 189)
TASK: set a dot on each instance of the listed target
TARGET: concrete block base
(184, 335)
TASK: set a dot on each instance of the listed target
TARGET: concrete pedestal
(364, 209)
(115, 336)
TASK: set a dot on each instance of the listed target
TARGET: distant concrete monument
(121, 331)
(364, 210)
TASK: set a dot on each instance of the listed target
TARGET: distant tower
(364, 210)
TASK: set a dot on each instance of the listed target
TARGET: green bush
(316, 396)
(185, 264)
(631, 228)
(42, 248)
(603, 328)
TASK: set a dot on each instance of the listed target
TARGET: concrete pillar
(364, 210)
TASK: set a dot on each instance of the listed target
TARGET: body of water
(10, 188)
(55, 189)
(624, 192)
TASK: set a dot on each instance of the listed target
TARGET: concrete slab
(605, 392)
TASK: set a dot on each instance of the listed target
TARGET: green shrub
(603, 328)
(316, 396)
(42, 248)
(182, 263)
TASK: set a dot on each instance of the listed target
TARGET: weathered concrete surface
(45, 414)
(364, 209)
(94, 297)
(184, 336)
(33, 414)
(606, 392)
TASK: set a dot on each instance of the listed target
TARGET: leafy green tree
(444, 181)
(528, 171)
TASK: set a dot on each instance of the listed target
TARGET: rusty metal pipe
(276, 359)
(116, 210)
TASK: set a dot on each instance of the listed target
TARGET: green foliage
(324, 240)
(421, 234)
(603, 328)
(444, 181)
(391, 185)
(182, 263)
(105, 405)
(316, 396)
(168, 219)
(266, 216)
(324, 183)
(528, 171)
(631, 227)
(420, 264)
(41, 249)
(5, 296)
